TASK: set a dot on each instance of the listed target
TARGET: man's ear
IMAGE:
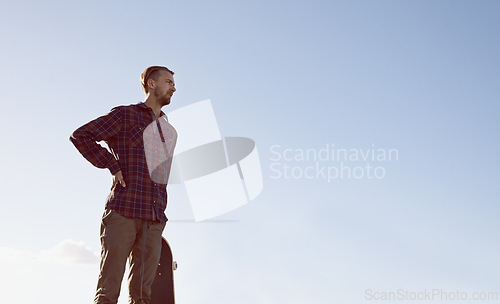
(151, 83)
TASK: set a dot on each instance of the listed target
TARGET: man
(141, 142)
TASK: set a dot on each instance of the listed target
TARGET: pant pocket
(106, 216)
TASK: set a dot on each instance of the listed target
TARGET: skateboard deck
(162, 290)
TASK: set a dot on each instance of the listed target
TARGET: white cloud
(65, 252)
(70, 252)
(65, 273)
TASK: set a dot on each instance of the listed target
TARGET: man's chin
(165, 101)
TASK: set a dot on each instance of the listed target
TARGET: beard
(163, 99)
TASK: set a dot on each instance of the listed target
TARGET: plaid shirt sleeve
(103, 128)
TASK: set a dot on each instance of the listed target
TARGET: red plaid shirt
(122, 129)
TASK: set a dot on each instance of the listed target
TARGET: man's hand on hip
(118, 178)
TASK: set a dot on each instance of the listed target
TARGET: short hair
(152, 72)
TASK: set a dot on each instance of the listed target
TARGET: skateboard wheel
(174, 265)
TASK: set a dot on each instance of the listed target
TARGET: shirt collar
(142, 105)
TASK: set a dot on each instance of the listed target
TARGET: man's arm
(104, 128)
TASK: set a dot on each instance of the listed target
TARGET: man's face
(164, 87)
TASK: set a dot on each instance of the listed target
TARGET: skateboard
(162, 290)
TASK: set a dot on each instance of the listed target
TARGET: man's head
(158, 81)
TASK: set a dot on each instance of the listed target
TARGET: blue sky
(417, 76)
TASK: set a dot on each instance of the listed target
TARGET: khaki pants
(137, 240)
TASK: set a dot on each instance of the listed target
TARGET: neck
(153, 104)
